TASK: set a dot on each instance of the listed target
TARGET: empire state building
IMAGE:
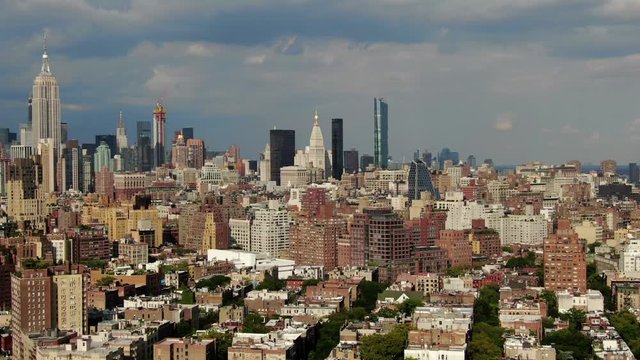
(46, 106)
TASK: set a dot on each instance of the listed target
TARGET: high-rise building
(471, 161)
(630, 259)
(365, 161)
(419, 181)
(282, 151)
(265, 164)
(72, 164)
(634, 173)
(49, 160)
(187, 132)
(459, 251)
(144, 145)
(337, 148)
(31, 306)
(378, 236)
(46, 106)
(64, 132)
(179, 153)
(102, 158)
(159, 136)
(609, 167)
(315, 232)
(270, 230)
(577, 164)
(121, 134)
(380, 133)
(196, 152)
(317, 154)
(565, 261)
(351, 161)
(108, 139)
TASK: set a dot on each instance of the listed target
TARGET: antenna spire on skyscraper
(45, 55)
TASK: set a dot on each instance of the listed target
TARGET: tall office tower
(29, 111)
(46, 106)
(26, 135)
(144, 146)
(471, 161)
(47, 151)
(379, 236)
(187, 132)
(419, 181)
(365, 161)
(380, 132)
(108, 139)
(73, 167)
(159, 137)
(31, 307)
(565, 261)
(282, 151)
(634, 173)
(270, 230)
(609, 167)
(87, 172)
(102, 158)
(265, 164)
(196, 153)
(351, 160)
(337, 148)
(427, 157)
(64, 132)
(317, 153)
(121, 134)
(5, 162)
(179, 153)
(25, 200)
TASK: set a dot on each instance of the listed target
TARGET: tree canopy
(213, 282)
(254, 323)
(369, 291)
(628, 327)
(387, 346)
(570, 340)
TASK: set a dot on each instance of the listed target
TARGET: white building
(265, 164)
(630, 258)
(523, 229)
(461, 212)
(451, 352)
(240, 233)
(211, 174)
(589, 302)
(270, 230)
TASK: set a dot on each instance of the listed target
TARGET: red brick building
(565, 262)
(457, 246)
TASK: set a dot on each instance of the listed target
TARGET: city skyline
(530, 93)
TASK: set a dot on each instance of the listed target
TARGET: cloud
(255, 59)
(504, 122)
(74, 107)
(568, 129)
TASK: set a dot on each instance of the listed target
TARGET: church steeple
(45, 57)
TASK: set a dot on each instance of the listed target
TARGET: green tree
(482, 347)
(456, 271)
(485, 309)
(552, 302)
(592, 247)
(106, 280)
(272, 284)
(369, 291)
(409, 306)
(628, 327)
(213, 282)
(508, 249)
(223, 342)
(187, 297)
(329, 333)
(575, 317)
(387, 313)
(94, 264)
(383, 347)
(183, 328)
(254, 323)
(570, 340)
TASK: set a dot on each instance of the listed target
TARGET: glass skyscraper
(337, 148)
(283, 150)
(420, 180)
(380, 132)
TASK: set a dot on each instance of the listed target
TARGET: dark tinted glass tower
(110, 140)
(187, 133)
(420, 180)
(380, 132)
(337, 160)
(351, 161)
(143, 145)
(365, 160)
(283, 150)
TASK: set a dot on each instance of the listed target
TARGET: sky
(511, 80)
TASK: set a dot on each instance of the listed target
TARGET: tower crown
(46, 69)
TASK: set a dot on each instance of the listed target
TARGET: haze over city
(509, 80)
